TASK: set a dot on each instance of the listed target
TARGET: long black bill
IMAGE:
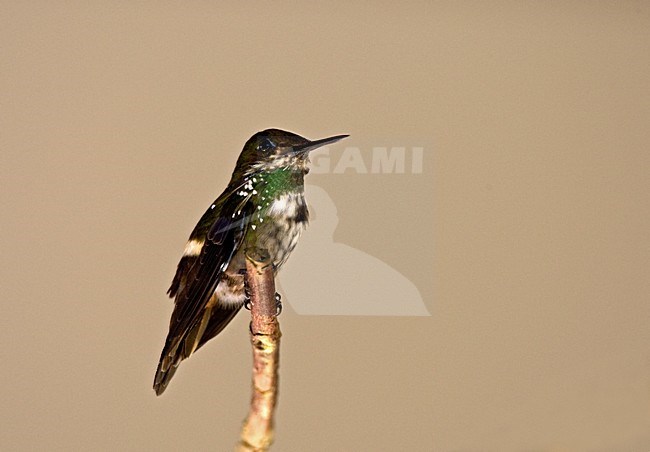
(304, 148)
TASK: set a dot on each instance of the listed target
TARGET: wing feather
(196, 281)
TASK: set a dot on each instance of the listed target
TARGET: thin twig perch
(257, 431)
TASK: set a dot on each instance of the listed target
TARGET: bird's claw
(248, 303)
(278, 304)
(247, 294)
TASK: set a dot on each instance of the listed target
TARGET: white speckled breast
(285, 220)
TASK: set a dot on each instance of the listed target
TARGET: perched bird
(263, 207)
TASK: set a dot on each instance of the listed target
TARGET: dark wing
(220, 316)
(195, 282)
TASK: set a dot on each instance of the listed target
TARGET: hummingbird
(262, 208)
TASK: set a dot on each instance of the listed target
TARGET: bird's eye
(265, 145)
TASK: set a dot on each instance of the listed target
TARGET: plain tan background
(527, 233)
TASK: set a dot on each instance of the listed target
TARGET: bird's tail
(166, 370)
(181, 346)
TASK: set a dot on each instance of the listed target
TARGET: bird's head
(273, 148)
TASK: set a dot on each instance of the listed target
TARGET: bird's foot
(278, 304)
(248, 304)
(247, 294)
